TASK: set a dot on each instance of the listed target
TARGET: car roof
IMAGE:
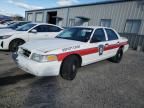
(43, 23)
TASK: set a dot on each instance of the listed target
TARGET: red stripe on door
(89, 51)
(79, 52)
(109, 47)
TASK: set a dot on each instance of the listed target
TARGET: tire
(118, 57)
(13, 47)
(69, 67)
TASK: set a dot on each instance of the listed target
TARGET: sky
(18, 7)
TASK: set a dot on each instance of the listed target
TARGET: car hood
(5, 31)
(50, 44)
(8, 32)
(2, 26)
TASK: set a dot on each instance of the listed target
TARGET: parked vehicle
(4, 21)
(71, 49)
(11, 27)
(14, 25)
(31, 31)
(3, 25)
(7, 24)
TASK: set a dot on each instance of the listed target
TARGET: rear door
(112, 43)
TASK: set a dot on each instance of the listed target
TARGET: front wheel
(118, 57)
(69, 67)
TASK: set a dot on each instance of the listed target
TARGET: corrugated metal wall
(64, 14)
(117, 12)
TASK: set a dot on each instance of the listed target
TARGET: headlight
(43, 58)
(5, 37)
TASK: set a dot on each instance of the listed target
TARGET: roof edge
(88, 4)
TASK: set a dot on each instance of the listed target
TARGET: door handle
(118, 42)
(106, 44)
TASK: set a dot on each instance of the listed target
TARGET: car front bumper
(3, 45)
(35, 68)
(126, 47)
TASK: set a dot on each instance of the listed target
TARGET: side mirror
(33, 31)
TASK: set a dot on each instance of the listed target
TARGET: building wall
(117, 12)
(64, 14)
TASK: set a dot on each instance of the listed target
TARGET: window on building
(30, 17)
(59, 21)
(71, 22)
(85, 23)
(39, 17)
(81, 21)
(132, 26)
(111, 34)
(98, 36)
(105, 22)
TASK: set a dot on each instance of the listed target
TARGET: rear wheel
(118, 57)
(13, 47)
(69, 67)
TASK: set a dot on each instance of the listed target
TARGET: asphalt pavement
(99, 85)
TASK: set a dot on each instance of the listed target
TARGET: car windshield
(25, 27)
(16, 25)
(77, 34)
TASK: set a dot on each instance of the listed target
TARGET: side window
(98, 36)
(41, 28)
(53, 29)
(111, 34)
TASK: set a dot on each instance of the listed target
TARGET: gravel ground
(100, 85)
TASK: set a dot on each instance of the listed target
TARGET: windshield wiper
(59, 37)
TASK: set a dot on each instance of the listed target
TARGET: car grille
(26, 53)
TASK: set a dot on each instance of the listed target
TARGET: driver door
(98, 41)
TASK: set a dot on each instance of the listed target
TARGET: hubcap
(119, 55)
(74, 67)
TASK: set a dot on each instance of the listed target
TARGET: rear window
(111, 34)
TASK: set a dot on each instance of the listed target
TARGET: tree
(17, 18)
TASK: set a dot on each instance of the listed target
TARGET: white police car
(74, 47)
